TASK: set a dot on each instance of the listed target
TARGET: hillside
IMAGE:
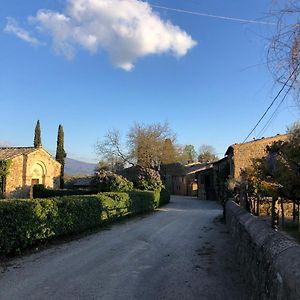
(75, 167)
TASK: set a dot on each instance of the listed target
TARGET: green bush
(142, 201)
(106, 181)
(164, 197)
(23, 223)
(39, 191)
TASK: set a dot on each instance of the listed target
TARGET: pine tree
(37, 135)
(60, 153)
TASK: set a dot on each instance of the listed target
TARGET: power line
(212, 16)
(274, 113)
(278, 94)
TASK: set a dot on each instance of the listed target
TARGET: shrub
(143, 178)
(106, 181)
(115, 205)
(164, 197)
(23, 223)
(39, 191)
(142, 201)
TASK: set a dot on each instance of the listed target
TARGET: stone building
(205, 180)
(185, 183)
(29, 166)
(240, 156)
(212, 180)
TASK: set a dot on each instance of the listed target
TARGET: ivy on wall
(4, 171)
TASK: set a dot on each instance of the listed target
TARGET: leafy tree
(169, 152)
(277, 174)
(4, 171)
(60, 153)
(189, 154)
(284, 162)
(37, 135)
(207, 153)
(172, 160)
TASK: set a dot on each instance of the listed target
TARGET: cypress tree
(60, 153)
(37, 135)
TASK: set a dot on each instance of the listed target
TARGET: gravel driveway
(182, 251)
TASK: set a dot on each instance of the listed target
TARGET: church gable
(30, 166)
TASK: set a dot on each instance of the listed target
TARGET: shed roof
(11, 152)
(197, 167)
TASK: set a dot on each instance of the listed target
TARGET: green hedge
(23, 223)
(39, 191)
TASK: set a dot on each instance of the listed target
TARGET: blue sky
(214, 94)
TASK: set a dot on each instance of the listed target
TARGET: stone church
(29, 166)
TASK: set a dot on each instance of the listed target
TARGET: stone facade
(240, 156)
(205, 179)
(269, 260)
(35, 166)
(185, 183)
(212, 182)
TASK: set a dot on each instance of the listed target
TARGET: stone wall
(242, 155)
(14, 181)
(269, 260)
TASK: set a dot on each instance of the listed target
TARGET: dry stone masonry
(270, 261)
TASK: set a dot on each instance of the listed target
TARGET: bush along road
(182, 251)
(23, 223)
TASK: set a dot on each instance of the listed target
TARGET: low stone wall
(269, 260)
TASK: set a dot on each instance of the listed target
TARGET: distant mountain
(76, 167)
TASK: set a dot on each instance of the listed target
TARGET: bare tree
(147, 146)
(111, 149)
(284, 50)
(207, 153)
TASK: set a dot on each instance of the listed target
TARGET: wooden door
(34, 182)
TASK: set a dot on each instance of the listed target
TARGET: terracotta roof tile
(11, 152)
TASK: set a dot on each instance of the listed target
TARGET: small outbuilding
(28, 166)
(185, 182)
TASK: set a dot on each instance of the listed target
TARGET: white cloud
(125, 29)
(13, 27)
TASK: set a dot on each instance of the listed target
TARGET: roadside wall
(269, 260)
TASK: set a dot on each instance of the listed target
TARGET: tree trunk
(298, 219)
(274, 216)
(257, 204)
(282, 212)
(249, 203)
(294, 210)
